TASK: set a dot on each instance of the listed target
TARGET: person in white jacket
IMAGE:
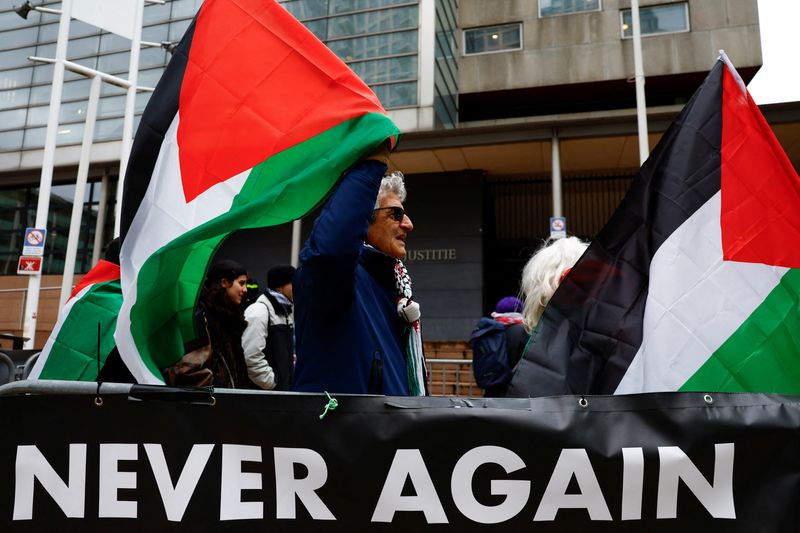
(268, 340)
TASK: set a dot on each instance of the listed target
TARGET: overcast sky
(779, 78)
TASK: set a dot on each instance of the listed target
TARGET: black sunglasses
(397, 213)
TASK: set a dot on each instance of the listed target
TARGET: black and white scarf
(408, 310)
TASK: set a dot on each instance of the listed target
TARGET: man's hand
(408, 310)
(381, 154)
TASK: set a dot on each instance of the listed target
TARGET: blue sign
(34, 241)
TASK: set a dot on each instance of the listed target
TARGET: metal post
(80, 191)
(48, 161)
(556, 175)
(297, 226)
(638, 73)
(101, 220)
(130, 104)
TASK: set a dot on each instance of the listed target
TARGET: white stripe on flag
(695, 302)
(38, 366)
(162, 217)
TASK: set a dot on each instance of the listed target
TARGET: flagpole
(48, 160)
(80, 190)
(638, 73)
(130, 104)
(297, 227)
(556, 174)
(100, 223)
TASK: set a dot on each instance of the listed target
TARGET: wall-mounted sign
(29, 265)
(431, 254)
(558, 227)
(34, 241)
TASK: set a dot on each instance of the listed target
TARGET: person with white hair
(357, 326)
(544, 272)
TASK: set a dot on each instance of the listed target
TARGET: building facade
(487, 91)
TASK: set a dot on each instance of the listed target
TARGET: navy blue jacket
(349, 338)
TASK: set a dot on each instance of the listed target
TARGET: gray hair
(392, 183)
(542, 275)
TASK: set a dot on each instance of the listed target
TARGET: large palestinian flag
(85, 324)
(693, 283)
(251, 125)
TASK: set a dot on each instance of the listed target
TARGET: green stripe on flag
(73, 355)
(763, 355)
(285, 187)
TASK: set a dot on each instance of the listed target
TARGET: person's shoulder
(258, 308)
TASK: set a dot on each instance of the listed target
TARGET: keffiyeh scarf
(408, 310)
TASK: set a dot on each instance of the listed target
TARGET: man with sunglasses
(356, 323)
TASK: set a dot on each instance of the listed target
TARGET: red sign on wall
(29, 265)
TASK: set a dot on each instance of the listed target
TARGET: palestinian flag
(693, 285)
(70, 352)
(251, 125)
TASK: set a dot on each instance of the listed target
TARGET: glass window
(383, 70)
(74, 90)
(20, 37)
(307, 9)
(373, 22)
(10, 140)
(110, 42)
(78, 28)
(564, 7)
(108, 90)
(16, 58)
(111, 106)
(397, 94)
(90, 61)
(48, 32)
(386, 44)
(149, 78)
(10, 20)
(37, 116)
(493, 39)
(73, 112)
(68, 134)
(185, 8)
(40, 94)
(155, 34)
(108, 130)
(654, 20)
(83, 47)
(156, 12)
(177, 29)
(43, 74)
(14, 98)
(114, 63)
(11, 79)
(318, 27)
(141, 101)
(14, 118)
(345, 6)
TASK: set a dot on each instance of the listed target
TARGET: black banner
(269, 462)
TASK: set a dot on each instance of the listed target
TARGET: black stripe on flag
(156, 120)
(592, 328)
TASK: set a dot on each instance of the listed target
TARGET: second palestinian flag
(251, 125)
(692, 283)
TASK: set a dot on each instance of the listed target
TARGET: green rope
(332, 404)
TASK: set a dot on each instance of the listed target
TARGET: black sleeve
(516, 339)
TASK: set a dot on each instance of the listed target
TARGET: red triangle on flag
(257, 82)
(760, 216)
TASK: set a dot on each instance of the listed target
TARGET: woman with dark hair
(219, 310)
